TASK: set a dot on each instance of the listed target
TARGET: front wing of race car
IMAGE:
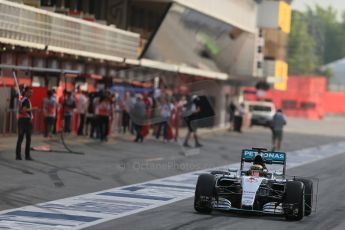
(271, 208)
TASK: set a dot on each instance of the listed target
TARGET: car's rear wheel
(294, 200)
(204, 193)
(308, 185)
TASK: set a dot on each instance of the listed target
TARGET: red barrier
(38, 95)
(305, 97)
(334, 102)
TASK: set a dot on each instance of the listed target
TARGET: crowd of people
(139, 114)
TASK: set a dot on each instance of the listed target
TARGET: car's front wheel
(204, 193)
(294, 200)
(308, 184)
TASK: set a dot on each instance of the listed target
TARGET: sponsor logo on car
(274, 156)
(252, 180)
(247, 202)
(249, 154)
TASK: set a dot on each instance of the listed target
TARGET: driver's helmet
(258, 160)
(256, 170)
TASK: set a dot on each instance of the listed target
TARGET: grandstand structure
(129, 42)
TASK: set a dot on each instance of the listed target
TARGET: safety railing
(28, 24)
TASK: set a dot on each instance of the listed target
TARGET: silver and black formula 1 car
(259, 188)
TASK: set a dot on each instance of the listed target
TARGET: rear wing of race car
(269, 157)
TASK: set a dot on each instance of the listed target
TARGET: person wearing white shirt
(49, 112)
(82, 105)
(165, 112)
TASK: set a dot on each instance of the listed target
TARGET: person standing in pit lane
(82, 106)
(231, 110)
(125, 119)
(138, 117)
(192, 116)
(278, 122)
(25, 123)
(238, 119)
(49, 112)
(69, 105)
(104, 113)
(165, 113)
(55, 98)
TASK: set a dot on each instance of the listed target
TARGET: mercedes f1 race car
(262, 187)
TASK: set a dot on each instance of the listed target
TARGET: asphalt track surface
(220, 149)
(181, 215)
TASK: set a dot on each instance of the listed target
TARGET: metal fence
(27, 24)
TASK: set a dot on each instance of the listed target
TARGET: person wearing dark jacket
(231, 110)
(238, 119)
(25, 124)
(69, 105)
(138, 118)
(277, 125)
(190, 119)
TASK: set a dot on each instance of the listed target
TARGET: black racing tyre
(308, 185)
(294, 195)
(204, 193)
